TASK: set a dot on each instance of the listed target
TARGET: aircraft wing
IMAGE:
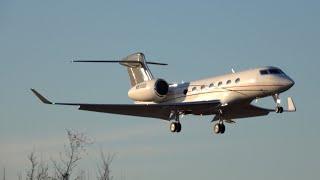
(249, 110)
(161, 111)
(243, 111)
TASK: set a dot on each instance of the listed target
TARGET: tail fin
(136, 64)
(138, 72)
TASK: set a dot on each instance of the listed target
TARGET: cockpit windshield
(270, 71)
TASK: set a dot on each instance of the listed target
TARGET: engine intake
(161, 87)
(154, 90)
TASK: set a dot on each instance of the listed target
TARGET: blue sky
(198, 39)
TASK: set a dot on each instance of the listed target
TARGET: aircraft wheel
(222, 128)
(279, 109)
(175, 127)
(216, 128)
(219, 128)
(178, 127)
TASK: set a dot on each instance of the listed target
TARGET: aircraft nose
(292, 83)
(289, 82)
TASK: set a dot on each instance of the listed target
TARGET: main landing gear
(219, 128)
(176, 125)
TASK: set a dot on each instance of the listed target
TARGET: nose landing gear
(279, 109)
(277, 100)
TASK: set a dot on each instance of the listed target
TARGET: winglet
(42, 99)
(291, 106)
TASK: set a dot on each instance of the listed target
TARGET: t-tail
(137, 67)
(136, 64)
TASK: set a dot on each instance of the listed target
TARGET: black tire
(178, 127)
(281, 109)
(222, 128)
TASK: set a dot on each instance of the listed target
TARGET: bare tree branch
(69, 160)
(42, 173)
(34, 163)
(104, 172)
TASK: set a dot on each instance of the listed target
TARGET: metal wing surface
(161, 111)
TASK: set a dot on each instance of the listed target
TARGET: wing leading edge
(161, 111)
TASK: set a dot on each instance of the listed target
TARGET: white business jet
(227, 97)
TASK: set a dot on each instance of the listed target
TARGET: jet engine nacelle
(153, 90)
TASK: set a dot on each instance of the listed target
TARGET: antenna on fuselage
(233, 70)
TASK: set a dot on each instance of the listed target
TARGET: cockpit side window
(275, 71)
(270, 71)
(264, 72)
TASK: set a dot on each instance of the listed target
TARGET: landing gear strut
(279, 108)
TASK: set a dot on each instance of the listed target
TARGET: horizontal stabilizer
(120, 61)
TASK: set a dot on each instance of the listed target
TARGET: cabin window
(264, 72)
(211, 85)
(203, 86)
(229, 81)
(237, 80)
(220, 83)
(194, 88)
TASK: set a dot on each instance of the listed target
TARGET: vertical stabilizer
(137, 67)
